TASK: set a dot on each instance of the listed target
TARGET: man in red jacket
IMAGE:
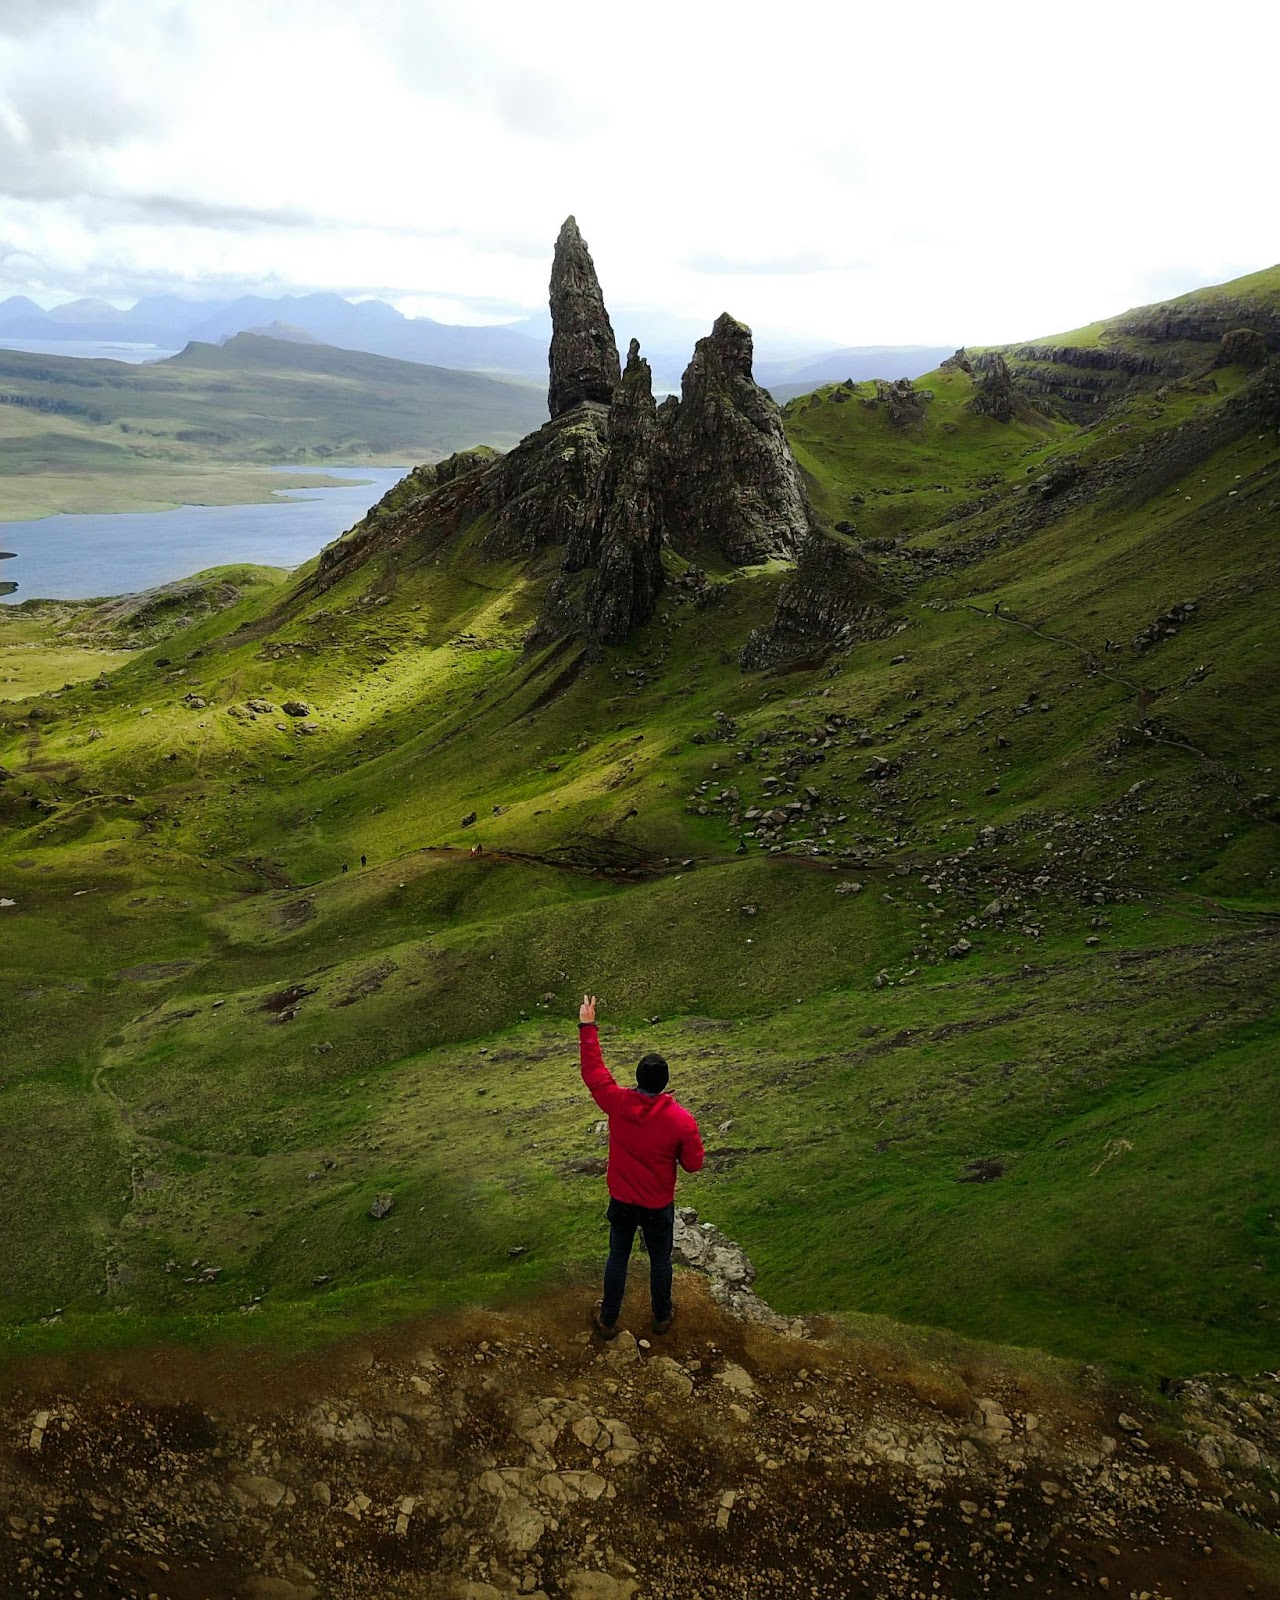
(648, 1134)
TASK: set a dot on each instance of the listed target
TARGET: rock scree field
(902, 766)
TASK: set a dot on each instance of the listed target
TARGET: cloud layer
(859, 175)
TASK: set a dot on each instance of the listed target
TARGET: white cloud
(858, 174)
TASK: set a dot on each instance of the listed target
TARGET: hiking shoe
(606, 1330)
(663, 1324)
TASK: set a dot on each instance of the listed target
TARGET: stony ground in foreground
(499, 1454)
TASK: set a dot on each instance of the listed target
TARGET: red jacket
(648, 1133)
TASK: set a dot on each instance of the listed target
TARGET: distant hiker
(476, 850)
(649, 1133)
(344, 866)
(364, 861)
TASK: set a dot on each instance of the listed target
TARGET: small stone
(382, 1205)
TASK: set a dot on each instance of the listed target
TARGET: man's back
(649, 1134)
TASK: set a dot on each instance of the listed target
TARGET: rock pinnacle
(584, 356)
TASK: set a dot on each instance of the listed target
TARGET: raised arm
(597, 1077)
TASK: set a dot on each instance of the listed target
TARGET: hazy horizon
(851, 180)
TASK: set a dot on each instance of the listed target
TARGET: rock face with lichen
(627, 520)
(834, 597)
(732, 485)
(584, 355)
(1242, 347)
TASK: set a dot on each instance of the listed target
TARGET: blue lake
(79, 557)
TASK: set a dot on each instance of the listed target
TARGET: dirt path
(486, 1455)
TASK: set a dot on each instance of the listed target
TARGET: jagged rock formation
(834, 598)
(903, 402)
(733, 487)
(610, 479)
(1242, 347)
(995, 395)
(584, 355)
(959, 362)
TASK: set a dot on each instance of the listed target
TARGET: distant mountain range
(516, 349)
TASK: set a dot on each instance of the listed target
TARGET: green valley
(954, 908)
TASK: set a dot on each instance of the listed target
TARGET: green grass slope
(986, 1041)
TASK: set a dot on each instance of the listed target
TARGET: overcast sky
(847, 172)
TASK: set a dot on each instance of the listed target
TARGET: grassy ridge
(237, 1044)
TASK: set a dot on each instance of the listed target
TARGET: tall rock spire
(584, 356)
(628, 517)
(732, 485)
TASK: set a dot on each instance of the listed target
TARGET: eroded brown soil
(486, 1455)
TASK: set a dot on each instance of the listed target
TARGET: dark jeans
(657, 1228)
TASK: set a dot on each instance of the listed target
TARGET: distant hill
(369, 325)
(250, 400)
(517, 349)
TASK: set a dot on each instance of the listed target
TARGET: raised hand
(587, 1010)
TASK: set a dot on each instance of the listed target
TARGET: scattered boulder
(296, 708)
(1165, 626)
(382, 1206)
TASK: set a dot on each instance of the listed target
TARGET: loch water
(78, 557)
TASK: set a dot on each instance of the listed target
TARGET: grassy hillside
(77, 435)
(988, 1041)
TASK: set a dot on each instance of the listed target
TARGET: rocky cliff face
(733, 488)
(627, 521)
(584, 355)
(834, 598)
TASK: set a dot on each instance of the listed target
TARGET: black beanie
(652, 1074)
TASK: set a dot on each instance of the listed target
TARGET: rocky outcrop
(901, 401)
(728, 1270)
(584, 355)
(732, 485)
(994, 393)
(959, 362)
(834, 598)
(1201, 320)
(1242, 347)
(591, 499)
